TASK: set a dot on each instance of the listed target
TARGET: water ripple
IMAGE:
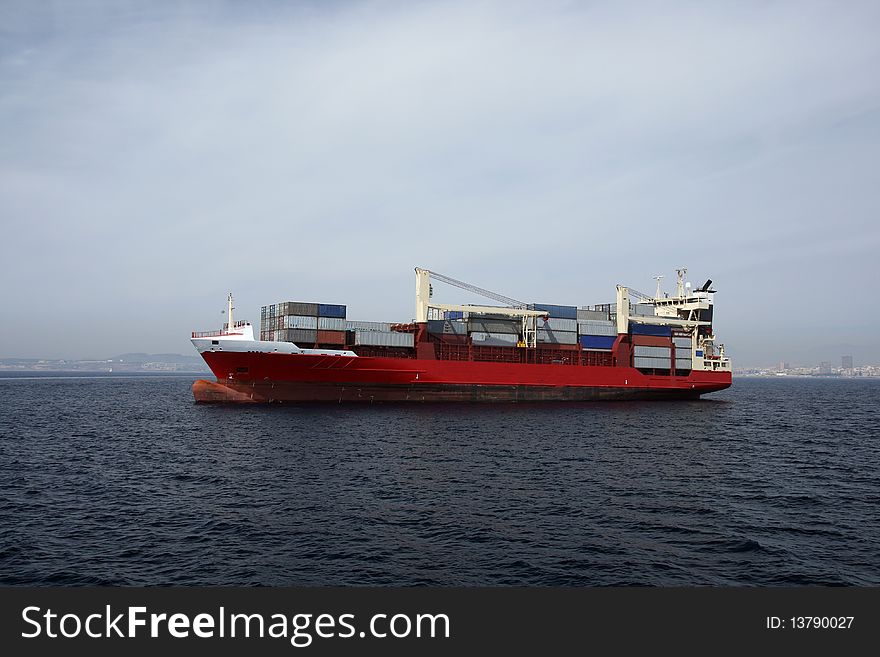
(127, 482)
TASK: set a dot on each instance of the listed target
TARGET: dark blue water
(123, 480)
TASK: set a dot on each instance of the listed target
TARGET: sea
(124, 480)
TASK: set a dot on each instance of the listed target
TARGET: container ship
(639, 347)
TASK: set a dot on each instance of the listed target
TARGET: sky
(156, 155)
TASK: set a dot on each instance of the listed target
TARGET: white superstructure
(239, 337)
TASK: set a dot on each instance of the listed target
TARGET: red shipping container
(651, 341)
(331, 337)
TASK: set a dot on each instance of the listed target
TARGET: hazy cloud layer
(155, 155)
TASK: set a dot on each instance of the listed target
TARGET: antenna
(680, 274)
(658, 278)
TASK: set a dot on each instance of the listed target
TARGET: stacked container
(595, 331)
(305, 323)
(560, 327)
(683, 350)
(657, 358)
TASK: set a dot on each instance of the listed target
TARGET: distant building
(825, 367)
(846, 362)
(783, 366)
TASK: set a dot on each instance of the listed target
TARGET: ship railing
(221, 332)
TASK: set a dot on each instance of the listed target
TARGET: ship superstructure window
(215, 341)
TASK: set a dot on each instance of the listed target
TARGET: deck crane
(515, 308)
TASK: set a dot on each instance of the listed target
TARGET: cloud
(155, 155)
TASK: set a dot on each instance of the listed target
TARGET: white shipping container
(597, 328)
(383, 339)
(652, 363)
(300, 322)
(331, 324)
(655, 352)
(356, 325)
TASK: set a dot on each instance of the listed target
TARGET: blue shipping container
(650, 329)
(563, 312)
(597, 341)
(454, 314)
(331, 310)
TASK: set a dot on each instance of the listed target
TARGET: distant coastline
(133, 363)
(9, 375)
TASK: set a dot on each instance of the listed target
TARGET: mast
(229, 322)
(680, 274)
(659, 291)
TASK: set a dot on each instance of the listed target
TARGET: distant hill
(140, 357)
(131, 362)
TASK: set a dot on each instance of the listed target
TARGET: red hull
(272, 377)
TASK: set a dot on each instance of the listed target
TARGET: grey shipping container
(652, 363)
(586, 314)
(455, 327)
(298, 335)
(597, 328)
(558, 324)
(301, 308)
(331, 324)
(558, 337)
(642, 309)
(300, 322)
(383, 339)
(484, 339)
(682, 342)
(357, 325)
(494, 326)
(655, 352)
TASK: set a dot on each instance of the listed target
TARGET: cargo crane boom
(489, 294)
(517, 308)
